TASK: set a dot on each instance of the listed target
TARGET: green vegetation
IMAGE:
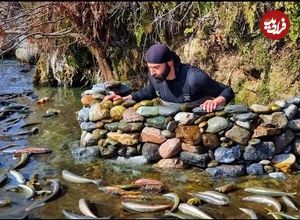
(222, 38)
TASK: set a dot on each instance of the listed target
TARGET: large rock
(150, 152)
(260, 151)
(188, 134)
(290, 111)
(130, 127)
(159, 122)
(86, 154)
(255, 169)
(192, 148)
(210, 140)
(96, 113)
(226, 171)
(87, 139)
(90, 126)
(125, 139)
(194, 159)
(136, 160)
(245, 116)
(87, 100)
(283, 140)
(130, 115)
(261, 131)
(294, 125)
(276, 119)
(116, 112)
(296, 147)
(260, 108)
(217, 124)
(227, 155)
(284, 162)
(233, 109)
(238, 134)
(83, 114)
(148, 111)
(170, 148)
(167, 110)
(185, 118)
(169, 163)
(152, 135)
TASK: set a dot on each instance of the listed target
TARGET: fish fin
(98, 182)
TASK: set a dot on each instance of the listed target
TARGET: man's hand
(114, 97)
(210, 105)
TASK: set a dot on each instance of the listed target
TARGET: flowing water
(62, 131)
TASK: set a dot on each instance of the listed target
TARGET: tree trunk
(105, 72)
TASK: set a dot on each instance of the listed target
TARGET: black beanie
(158, 53)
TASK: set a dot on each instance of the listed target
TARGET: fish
(8, 146)
(176, 199)
(268, 192)
(227, 188)
(289, 202)
(274, 214)
(43, 191)
(194, 201)
(264, 200)
(138, 207)
(144, 181)
(117, 191)
(34, 130)
(211, 199)
(19, 177)
(193, 210)
(55, 191)
(3, 179)
(84, 208)
(179, 215)
(284, 215)
(128, 186)
(31, 150)
(249, 212)
(72, 177)
(216, 195)
(29, 191)
(23, 161)
(70, 215)
(30, 124)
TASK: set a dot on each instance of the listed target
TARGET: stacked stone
(232, 141)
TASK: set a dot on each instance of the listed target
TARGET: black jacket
(189, 79)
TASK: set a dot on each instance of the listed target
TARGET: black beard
(163, 76)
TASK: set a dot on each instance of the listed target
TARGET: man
(176, 83)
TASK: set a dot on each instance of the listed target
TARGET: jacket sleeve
(204, 84)
(147, 92)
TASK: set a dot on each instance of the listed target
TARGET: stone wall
(235, 140)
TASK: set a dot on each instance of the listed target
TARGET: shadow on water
(62, 131)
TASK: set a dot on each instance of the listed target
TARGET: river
(61, 132)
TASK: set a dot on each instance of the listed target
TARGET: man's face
(159, 71)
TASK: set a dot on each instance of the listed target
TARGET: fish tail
(292, 194)
(98, 182)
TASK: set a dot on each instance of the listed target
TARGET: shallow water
(64, 129)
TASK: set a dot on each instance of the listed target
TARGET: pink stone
(152, 135)
(169, 163)
(87, 100)
(130, 115)
(170, 148)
